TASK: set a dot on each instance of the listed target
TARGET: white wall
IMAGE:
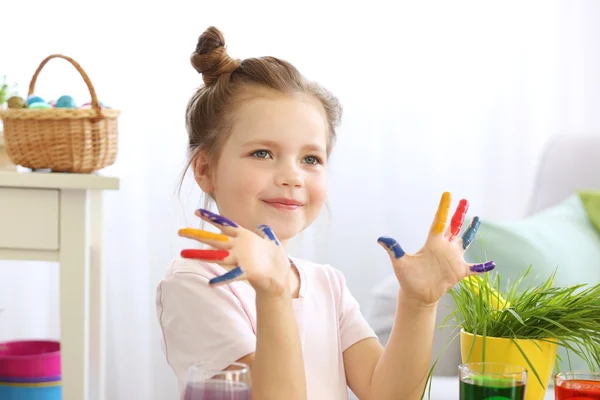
(438, 96)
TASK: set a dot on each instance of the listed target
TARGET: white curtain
(457, 96)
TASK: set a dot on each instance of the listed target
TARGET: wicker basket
(62, 139)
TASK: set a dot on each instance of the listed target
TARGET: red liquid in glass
(578, 389)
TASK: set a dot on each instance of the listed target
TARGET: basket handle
(86, 78)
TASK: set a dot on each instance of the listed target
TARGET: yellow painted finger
(497, 301)
(441, 216)
(200, 234)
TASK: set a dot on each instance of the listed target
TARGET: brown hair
(209, 111)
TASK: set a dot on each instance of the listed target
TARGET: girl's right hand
(257, 256)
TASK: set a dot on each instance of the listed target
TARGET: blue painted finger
(391, 245)
(469, 234)
(228, 276)
(268, 233)
(485, 267)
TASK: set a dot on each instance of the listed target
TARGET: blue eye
(261, 154)
(313, 160)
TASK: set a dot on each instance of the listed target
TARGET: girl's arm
(277, 366)
(400, 371)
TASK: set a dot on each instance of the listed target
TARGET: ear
(202, 172)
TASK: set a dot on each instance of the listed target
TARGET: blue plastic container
(28, 391)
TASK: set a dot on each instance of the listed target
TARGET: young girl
(260, 136)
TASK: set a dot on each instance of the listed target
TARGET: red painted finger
(207, 255)
(458, 218)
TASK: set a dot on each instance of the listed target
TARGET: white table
(446, 388)
(58, 217)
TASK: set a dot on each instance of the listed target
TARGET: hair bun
(211, 58)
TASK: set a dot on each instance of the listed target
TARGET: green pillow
(591, 204)
(560, 238)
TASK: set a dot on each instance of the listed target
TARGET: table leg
(97, 299)
(74, 294)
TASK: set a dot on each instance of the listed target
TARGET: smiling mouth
(284, 204)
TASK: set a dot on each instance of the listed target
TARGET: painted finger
(235, 274)
(392, 246)
(458, 219)
(480, 268)
(470, 233)
(224, 224)
(215, 240)
(267, 233)
(441, 216)
(219, 255)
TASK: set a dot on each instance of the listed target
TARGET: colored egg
(89, 105)
(16, 102)
(52, 103)
(35, 99)
(65, 102)
(40, 105)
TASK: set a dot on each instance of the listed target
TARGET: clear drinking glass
(577, 385)
(489, 380)
(206, 381)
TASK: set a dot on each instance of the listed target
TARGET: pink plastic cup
(29, 359)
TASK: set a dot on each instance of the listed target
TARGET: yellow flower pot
(541, 354)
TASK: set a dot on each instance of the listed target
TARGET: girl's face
(272, 167)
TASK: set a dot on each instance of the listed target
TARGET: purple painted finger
(216, 218)
(485, 267)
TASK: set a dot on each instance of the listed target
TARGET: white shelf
(48, 216)
(58, 180)
(29, 255)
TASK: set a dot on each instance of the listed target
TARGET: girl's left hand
(427, 275)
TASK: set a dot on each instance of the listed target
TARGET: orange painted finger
(203, 235)
(441, 216)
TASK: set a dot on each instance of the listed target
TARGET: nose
(289, 176)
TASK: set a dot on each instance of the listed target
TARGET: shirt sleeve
(201, 323)
(353, 325)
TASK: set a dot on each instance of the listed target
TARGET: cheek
(250, 180)
(238, 180)
(318, 189)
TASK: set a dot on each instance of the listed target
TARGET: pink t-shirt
(201, 323)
